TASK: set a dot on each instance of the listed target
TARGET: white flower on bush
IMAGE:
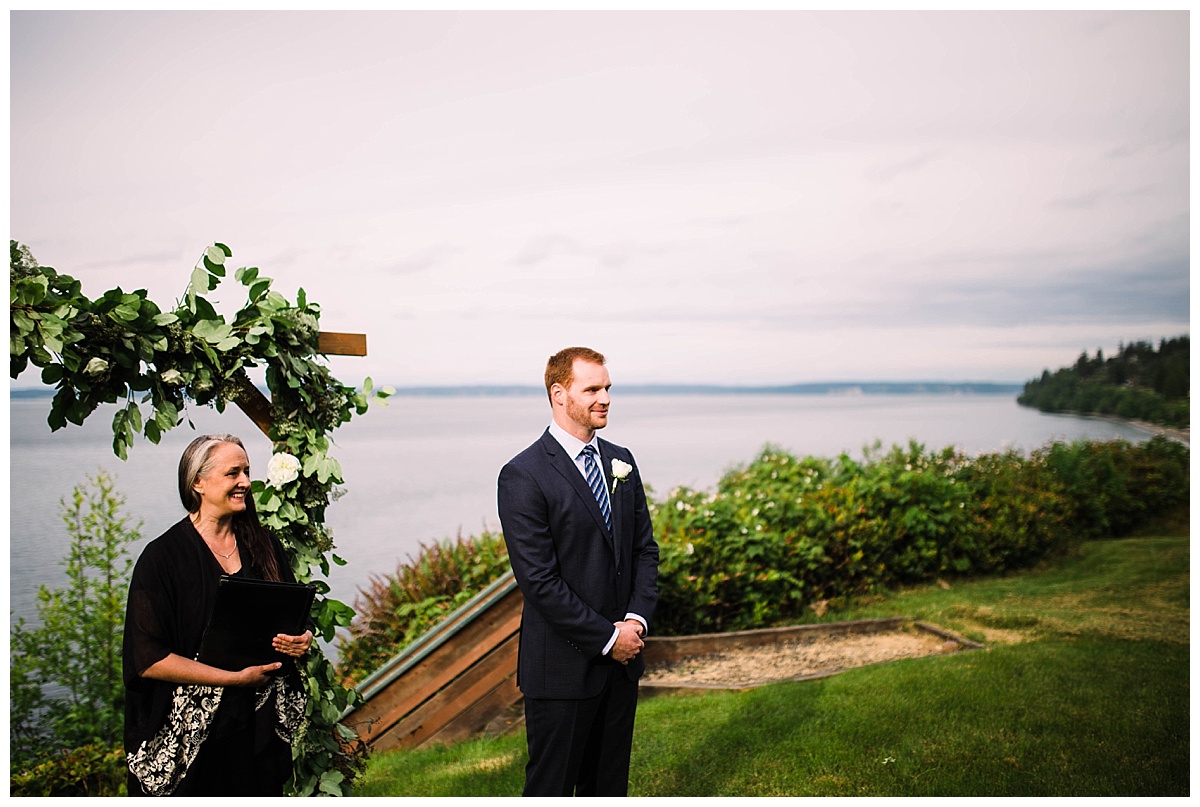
(172, 377)
(95, 367)
(281, 469)
(620, 471)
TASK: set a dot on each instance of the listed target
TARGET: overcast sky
(705, 197)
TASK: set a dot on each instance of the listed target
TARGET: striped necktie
(595, 481)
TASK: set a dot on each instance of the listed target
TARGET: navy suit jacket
(577, 577)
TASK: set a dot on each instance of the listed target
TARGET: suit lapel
(566, 467)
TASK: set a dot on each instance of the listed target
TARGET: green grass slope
(1083, 690)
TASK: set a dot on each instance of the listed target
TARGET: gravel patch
(791, 659)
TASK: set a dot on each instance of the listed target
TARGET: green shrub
(91, 770)
(395, 610)
(1114, 486)
(783, 534)
(1015, 512)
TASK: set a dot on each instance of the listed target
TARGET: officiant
(192, 729)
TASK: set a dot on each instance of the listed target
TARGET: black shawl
(171, 594)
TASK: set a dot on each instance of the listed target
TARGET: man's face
(587, 399)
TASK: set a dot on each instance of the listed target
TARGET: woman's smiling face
(225, 482)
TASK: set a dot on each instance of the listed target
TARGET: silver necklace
(210, 549)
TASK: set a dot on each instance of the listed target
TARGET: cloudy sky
(706, 197)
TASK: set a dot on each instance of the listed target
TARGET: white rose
(95, 367)
(172, 377)
(281, 469)
(620, 470)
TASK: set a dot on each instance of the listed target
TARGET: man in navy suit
(580, 542)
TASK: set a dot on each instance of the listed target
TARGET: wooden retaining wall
(461, 677)
(452, 682)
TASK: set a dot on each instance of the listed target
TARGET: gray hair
(196, 462)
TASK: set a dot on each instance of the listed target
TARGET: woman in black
(192, 729)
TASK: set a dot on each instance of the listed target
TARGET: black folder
(247, 616)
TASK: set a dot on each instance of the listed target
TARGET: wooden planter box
(663, 650)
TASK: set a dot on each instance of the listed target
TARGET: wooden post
(256, 406)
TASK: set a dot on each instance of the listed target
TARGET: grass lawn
(1082, 691)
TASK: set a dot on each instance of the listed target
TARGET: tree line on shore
(1138, 383)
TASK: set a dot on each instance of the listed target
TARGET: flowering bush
(783, 535)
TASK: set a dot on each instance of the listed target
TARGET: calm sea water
(423, 469)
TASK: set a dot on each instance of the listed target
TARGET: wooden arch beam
(256, 406)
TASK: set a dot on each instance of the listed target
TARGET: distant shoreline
(1181, 435)
(833, 388)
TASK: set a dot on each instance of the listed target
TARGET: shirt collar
(570, 443)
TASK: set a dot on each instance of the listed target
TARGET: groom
(579, 539)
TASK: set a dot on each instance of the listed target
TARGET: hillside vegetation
(784, 538)
(1139, 383)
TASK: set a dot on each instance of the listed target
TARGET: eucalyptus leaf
(31, 290)
(212, 332)
(41, 357)
(215, 268)
(199, 281)
(259, 288)
(124, 313)
(22, 320)
(52, 374)
(53, 342)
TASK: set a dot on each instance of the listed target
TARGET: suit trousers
(582, 747)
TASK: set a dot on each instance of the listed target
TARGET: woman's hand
(176, 669)
(256, 676)
(294, 646)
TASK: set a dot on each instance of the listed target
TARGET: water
(424, 468)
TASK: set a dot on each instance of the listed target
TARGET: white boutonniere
(620, 472)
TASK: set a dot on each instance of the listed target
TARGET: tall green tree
(65, 680)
